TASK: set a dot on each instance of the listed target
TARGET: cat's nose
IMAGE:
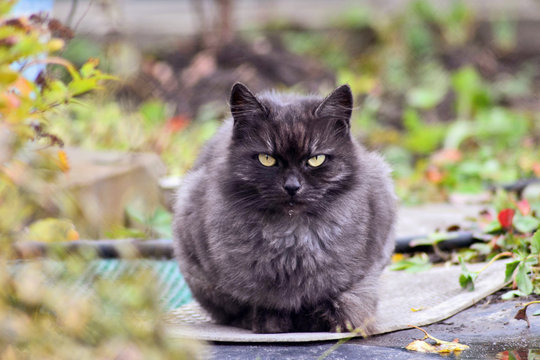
(292, 185)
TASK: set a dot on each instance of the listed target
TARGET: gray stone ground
(488, 328)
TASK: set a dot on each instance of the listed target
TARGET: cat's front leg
(271, 321)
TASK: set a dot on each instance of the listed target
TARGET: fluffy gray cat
(285, 222)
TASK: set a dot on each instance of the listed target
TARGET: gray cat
(285, 222)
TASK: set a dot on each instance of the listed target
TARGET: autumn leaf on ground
(522, 313)
(439, 347)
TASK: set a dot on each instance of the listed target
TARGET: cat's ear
(244, 104)
(337, 106)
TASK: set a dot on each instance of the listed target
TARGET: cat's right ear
(244, 104)
(337, 106)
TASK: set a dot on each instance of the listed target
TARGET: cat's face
(290, 154)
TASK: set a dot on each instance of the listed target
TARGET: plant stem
(495, 258)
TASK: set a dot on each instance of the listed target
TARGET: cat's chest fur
(294, 245)
(292, 259)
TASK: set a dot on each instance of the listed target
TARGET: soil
(190, 75)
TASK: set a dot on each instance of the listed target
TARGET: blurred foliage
(151, 127)
(444, 129)
(45, 310)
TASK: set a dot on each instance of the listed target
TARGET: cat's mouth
(294, 204)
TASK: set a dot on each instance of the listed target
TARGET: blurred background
(446, 90)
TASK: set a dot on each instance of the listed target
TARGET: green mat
(172, 290)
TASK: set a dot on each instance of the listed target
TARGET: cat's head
(290, 152)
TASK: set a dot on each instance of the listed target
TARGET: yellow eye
(267, 160)
(316, 160)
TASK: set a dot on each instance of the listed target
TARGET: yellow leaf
(397, 257)
(63, 161)
(417, 309)
(421, 346)
(72, 235)
(55, 45)
(52, 230)
(440, 346)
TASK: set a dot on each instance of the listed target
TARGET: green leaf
(482, 248)
(457, 132)
(523, 280)
(511, 294)
(467, 278)
(424, 98)
(89, 68)
(493, 227)
(433, 238)
(535, 243)
(510, 268)
(81, 86)
(412, 265)
(154, 112)
(525, 224)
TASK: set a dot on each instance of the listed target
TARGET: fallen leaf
(417, 309)
(421, 346)
(397, 257)
(440, 346)
(522, 313)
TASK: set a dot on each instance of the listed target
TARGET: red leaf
(177, 123)
(524, 207)
(434, 175)
(505, 217)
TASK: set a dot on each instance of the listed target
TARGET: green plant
(515, 234)
(47, 310)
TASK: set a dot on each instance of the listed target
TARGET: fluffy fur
(256, 257)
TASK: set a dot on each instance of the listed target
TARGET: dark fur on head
(287, 247)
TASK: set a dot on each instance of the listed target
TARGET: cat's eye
(267, 160)
(316, 160)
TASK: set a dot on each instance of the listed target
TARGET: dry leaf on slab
(440, 346)
(522, 313)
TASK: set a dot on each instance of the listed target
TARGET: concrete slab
(425, 219)
(101, 184)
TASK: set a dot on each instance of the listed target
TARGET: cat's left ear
(338, 106)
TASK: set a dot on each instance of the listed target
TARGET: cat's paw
(267, 321)
(342, 318)
(363, 328)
